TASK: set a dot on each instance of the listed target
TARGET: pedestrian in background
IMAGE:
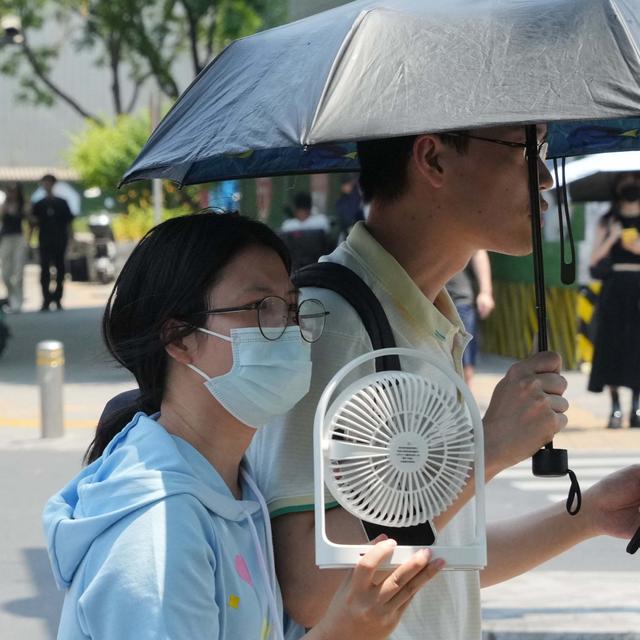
(302, 218)
(53, 218)
(306, 234)
(471, 305)
(615, 259)
(349, 208)
(13, 245)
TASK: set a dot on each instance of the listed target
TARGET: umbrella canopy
(592, 179)
(292, 99)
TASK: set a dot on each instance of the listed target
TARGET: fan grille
(398, 449)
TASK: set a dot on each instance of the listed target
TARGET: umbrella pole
(547, 462)
(536, 234)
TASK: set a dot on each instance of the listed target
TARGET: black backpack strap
(344, 282)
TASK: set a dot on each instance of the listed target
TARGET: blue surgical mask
(268, 377)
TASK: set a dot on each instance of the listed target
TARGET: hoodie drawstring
(268, 570)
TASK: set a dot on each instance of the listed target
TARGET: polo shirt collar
(440, 320)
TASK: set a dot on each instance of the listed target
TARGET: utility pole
(157, 199)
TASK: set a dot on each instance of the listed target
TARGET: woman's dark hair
(168, 277)
(384, 164)
(302, 200)
(614, 212)
(623, 176)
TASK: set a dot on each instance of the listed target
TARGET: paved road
(589, 593)
(29, 601)
(592, 587)
(515, 492)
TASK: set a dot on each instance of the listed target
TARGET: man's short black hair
(384, 162)
(48, 177)
(302, 200)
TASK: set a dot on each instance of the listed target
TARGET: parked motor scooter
(103, 268)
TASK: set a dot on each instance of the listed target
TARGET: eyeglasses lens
(273, 316)
(543, 148)
(542, 151)
(311, 318)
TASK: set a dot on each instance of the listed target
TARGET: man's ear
(427, 158)
(177, 347)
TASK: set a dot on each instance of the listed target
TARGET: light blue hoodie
(151, 544)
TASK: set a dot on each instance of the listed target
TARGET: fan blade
(340, 450)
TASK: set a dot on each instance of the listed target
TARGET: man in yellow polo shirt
(435, 200)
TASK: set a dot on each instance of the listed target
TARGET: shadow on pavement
(48, 601)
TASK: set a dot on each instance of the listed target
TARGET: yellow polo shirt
(448, 608)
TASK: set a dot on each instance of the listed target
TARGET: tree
(135, 39)
(102, 153)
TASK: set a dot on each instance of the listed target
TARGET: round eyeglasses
(275, 314)
(541, 149)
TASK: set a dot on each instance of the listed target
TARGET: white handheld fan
(396, 449)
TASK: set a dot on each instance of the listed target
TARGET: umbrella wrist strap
(574, 499)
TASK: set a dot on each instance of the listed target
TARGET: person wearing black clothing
(349, 205)
(53, 218)
(616, 354)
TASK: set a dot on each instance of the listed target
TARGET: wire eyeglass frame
(302, 315)
(541, 149)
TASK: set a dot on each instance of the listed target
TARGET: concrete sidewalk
(539, 605)
(91, 377)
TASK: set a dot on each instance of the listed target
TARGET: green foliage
(134, 224)
(134, 39)
(32, 92)
(102, 153)
(137, 41)
(236, 19)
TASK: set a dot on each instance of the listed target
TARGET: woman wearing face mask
(165, 534)
(617, 346)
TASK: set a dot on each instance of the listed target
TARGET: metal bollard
(50, 361)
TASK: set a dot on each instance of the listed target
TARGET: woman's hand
(631, 240)
(615, 232)
(370, 602)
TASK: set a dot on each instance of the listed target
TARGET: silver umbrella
(289, 100)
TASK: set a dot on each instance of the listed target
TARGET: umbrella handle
(547, 462)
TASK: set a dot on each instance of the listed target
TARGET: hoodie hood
(141, 465)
